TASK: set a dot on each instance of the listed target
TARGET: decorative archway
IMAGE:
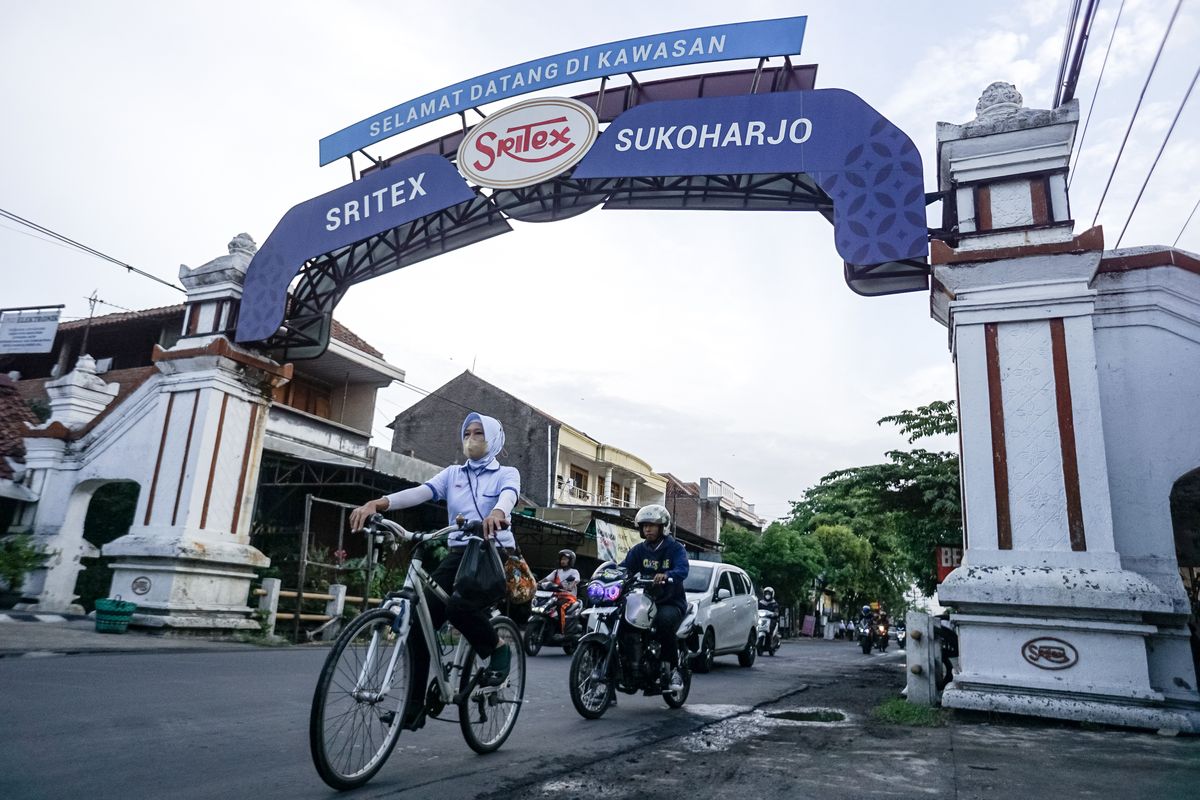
(750, 141)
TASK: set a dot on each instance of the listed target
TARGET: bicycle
(360, 700)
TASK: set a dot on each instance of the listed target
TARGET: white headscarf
(493, 433)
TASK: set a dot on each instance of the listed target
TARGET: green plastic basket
(113, 615)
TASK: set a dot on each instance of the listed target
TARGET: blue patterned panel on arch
(869, 168)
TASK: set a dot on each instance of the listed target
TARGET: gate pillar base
(188, 582)
(1066, 705)
(1060, 642)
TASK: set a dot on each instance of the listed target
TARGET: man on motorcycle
(565, 579)
(660, 556)
(769, 603)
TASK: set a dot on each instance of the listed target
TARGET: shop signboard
(28, 330)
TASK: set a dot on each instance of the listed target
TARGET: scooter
(768, 632)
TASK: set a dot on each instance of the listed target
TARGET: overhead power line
(1067, 88)
(1066, 51)
(1095, 94)
(1132, 119)
(1167, 138)
(84, 248)
(1186, 223)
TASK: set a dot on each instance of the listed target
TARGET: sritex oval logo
(528, 143)
(1050, 653)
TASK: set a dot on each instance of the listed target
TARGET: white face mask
(474, 448)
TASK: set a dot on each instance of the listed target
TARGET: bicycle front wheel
(358, 705)
(487, 715)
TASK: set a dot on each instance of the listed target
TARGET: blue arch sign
(869, 169)
(772, 37)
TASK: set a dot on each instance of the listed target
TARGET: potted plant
(18, 556)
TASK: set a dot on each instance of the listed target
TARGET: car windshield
(697, 578)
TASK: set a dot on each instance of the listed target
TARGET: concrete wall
(429, 431)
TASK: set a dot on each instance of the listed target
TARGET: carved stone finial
(243, 243)
(998, 100)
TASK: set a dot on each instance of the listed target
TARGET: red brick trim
(1089, 240)
(187, 449)
(1066, 434)
(1039, 200)
(1164, 257)
(237, 499)
(212, 467)
(999, 446)
(162, 443)
(221, 347)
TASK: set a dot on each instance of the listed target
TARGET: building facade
(162, 401)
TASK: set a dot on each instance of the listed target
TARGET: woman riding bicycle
(479, 489)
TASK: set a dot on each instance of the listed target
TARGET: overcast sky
(719, 344)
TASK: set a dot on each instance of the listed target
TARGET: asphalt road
(234, 724)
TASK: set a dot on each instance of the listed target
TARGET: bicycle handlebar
(376, 524)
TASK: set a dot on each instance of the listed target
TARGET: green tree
(780, 557)
(902, 508)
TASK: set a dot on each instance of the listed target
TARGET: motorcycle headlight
(600, 592)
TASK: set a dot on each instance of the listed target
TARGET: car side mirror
(723, 594)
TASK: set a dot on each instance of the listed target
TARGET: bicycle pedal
(489, 678)
(387, 718)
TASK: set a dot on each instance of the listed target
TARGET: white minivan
(726, 612)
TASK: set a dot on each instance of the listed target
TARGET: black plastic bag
(480, 580)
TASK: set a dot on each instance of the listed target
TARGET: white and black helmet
(768, 593)
(570, 554)
(655, 514)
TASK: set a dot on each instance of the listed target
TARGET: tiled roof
(163, 313)
(14, 413)
(127, 381)
(347, 336)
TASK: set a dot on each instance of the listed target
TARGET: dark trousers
(472, 622)
(666, 625)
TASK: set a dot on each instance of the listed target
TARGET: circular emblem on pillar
(1050, 653)
(141, 584)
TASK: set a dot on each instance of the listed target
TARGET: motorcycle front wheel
(866, 646)
(591, 690)
(677, 699)
(532, 637)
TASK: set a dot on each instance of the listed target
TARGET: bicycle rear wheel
(356, 716)
(487, 715)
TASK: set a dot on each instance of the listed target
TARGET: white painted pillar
(1049, 622)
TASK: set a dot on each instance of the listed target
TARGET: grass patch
(898, 711)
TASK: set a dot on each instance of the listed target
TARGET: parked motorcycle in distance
(623, 654)
(554, 619)
(768, 632)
